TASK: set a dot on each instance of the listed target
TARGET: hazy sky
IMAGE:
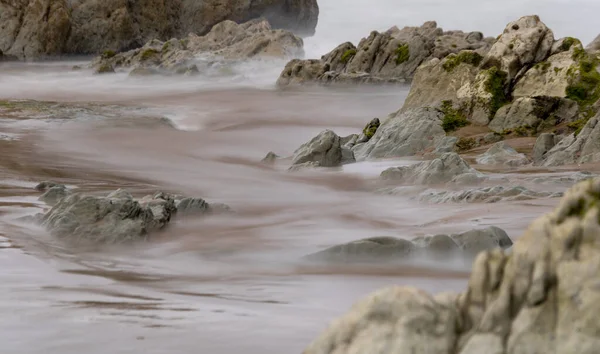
(350, 20)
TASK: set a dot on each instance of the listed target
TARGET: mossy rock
(105, 68)
(464, 144)
(148, 54)
(402, 54)
(371, 128)
(349, 54)
(107, 54)
(453, 119)
(495, 86)
(584, 87)
(467, 57)
(568, 42)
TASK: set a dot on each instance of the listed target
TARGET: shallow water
(226, 283)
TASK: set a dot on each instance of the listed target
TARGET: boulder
(226, 42)
(54, 194)
(389, 57)
(484, 195)
(38, 28)
(475, 241)
(533, 114)
(544, 143)
(270, 158)
(403, 134)
(438, 171)
(540, 297)
(374, 249)
(324, 149)
(192, 206)
(524, 42)
(502, 154)
(436, 243)
(576, 149)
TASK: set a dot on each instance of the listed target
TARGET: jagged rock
(583, 148)
(388, 57)
(304, 166)
(270, 158)
(45, 185)
(502, 154)
(540, 297)
(526, 41)
(482, 195)
(475, 241)
(120, 194)
(374, 249)
(594, 45)
(445, 144)
(188, 206)
(534, 114)
(227, 41)
(324, 149)
(38, 28)
(404, 134)
(544, 143)
(54, 195)
(440, 170)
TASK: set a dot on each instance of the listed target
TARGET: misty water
(228, 283)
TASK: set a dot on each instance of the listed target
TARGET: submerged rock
(54, 194)
(374, 249)
(441, 170)
(478, 240)
(540, 297)
(502, 154)
(324, 149)
(270, 158)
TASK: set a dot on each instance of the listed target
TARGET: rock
(544, 143)
(475, 241)
(45, 185)
(104, 69)
(404, 134)
(389, 57)
(491, 138)
(502, 154)
(38, 28)
(436, 243)
(482, 195)
(540, 297)
(189, 206)
(347, 156)
(583, 148)
(324, 149)
(374, 249)
(270, 158)
(445, 144)
(54, 195)
(226, 42)
(524, 42)
(594, 45)
(304, 166)
(437, 171)
(120, 194)
(369, 130)
(349, 141)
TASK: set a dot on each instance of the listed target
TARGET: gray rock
(270, 158)
(192, 206)
(524, 42)
(54, 195)
(475, 241)
(594, 45)
(324, 149)
(483, 195)
(403, 134)
(304, 166)
(143, 71)
(438, 171)
(544, 143)
(374, 249)
(491, 138)
(502, 154)
(436, 243)
(533, 114)
(120, 194)
(347, 156)
(45, 185)
(445, 144)
(583, 148)
(349, 141)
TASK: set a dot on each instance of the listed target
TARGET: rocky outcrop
(389, 57)
(576, 149)
(446, 168)
(544, 143)
(539, 297)
(594, 45)
(405, 133)
(118, 217)
(227, 41)
(484, 195)
(390, 249)
(54, 194)
(502, 154)
(324, 149)
(38, 28)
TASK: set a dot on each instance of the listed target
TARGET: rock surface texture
(502, 154)
(324, 149)
(38, 28)
(539, 297)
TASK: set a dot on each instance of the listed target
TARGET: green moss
(371, 128)
(166, 46)
(453, 119)
(467, 57)
(584, 87)
(454, 45)
(568, 43)
(543, 66)
(464, 144)
(557, 70)
(349, 54)
(148, 53)
(578, 125)
(495, 86)
(402, 54)
(107, 54)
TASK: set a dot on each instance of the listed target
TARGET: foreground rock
(38, 28)
(227, 41)
(389, 57)
(502, 154)
(449, 167)
(392, 249)
(118, 217)
(540, 297)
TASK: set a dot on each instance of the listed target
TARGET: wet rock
(482, 195)
(304, 166)
(438, 171)
(526, 41)
(226, 42)
(544, 143)
(270, 158)
(391, 56)
(502, 154)
(537, 298)
(324, 149)
(45, 185)
(375, 249)
(583, 148)
(403, 134)
(475, 241)
(54, 194)
(190, 206)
